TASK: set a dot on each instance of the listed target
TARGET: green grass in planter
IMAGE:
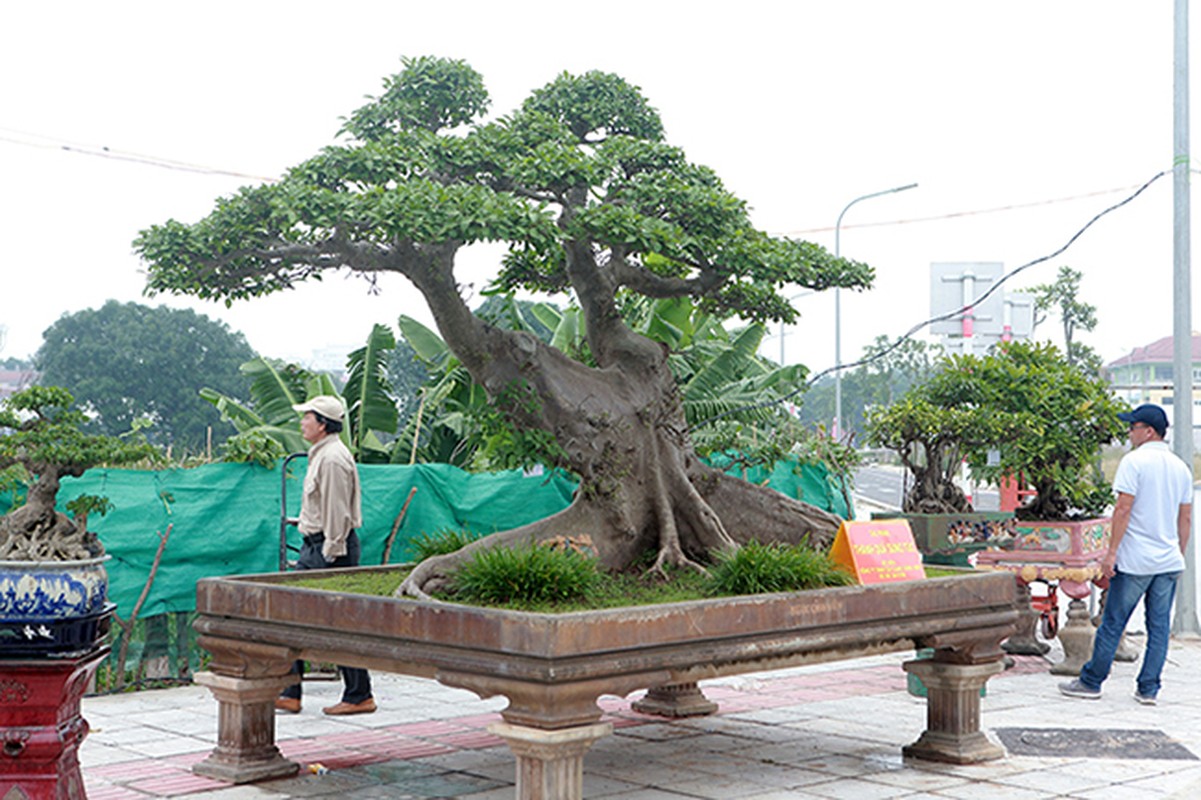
(527, 575)
(381, 584)
(758, 568)
(441, 542)
(547, 580)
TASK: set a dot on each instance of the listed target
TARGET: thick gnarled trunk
(642, 487)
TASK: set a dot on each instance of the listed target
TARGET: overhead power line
(949, 315)
(26, 139)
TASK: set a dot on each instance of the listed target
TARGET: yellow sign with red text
(880, 551)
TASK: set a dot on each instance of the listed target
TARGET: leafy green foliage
(252, 447)
(585, 147)
(532, 574)
(42, 433)
(276, 387)
(441, 542)
(932, 435)
(1064, 417)
(126, 361)
(430, 94)
(371, 407)
(756, 568)
(1046, 418)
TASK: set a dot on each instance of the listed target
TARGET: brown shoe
(289, 704)
(342, 709)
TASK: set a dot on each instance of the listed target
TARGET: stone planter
(553, 667)
(1066, 553)
(954, 540)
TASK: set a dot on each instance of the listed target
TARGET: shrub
(756, 568)
(530, 575)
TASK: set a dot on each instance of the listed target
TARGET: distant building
(1145, 375)
(14, 380)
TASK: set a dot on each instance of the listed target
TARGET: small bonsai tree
(41, 440)
(932, 436)
(1065, 415)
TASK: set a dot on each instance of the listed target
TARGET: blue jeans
(1157, 593)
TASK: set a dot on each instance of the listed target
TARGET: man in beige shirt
(330, 512)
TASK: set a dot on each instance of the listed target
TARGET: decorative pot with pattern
(54, 608)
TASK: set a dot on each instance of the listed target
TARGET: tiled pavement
(825, 731)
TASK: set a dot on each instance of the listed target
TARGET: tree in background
(124, 362)
(889, 373)
(589, 198)
(1060, 298)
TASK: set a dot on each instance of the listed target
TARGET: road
(886, 485)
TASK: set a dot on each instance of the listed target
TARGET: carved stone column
(245, 678)
(1024, 642)
(550, 763)
(1076, 636)
(953, 712)
(675, 700)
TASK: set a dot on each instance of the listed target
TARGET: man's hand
(1107, 564)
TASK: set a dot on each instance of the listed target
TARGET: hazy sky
(1020, 121)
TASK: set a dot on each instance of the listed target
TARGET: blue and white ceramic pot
(53, 607)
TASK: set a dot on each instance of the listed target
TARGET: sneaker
(1077, 689)
(1145, 699)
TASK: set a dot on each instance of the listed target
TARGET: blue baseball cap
(1148, 414)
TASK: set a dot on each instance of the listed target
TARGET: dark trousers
(357, 682)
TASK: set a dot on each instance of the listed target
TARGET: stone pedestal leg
(246, 748)
(550, 763)
(953, 712)
(675, 700)
(1076, 636)
(1023, 642)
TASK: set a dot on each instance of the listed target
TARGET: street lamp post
(838, 304)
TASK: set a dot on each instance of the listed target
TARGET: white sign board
(958, 285)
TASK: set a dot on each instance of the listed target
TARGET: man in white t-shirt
(1152, 520)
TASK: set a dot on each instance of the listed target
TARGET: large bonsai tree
(40, 441)
(589, 198)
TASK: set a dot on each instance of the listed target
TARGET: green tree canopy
(126, 361)
(588, 197)
(1062, 298)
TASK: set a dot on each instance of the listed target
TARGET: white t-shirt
(1160, 484)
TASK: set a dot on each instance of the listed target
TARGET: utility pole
(1185, 620)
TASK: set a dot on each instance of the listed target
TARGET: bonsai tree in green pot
(931, 432)
(932, 435)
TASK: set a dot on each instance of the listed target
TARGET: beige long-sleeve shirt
(331, 502)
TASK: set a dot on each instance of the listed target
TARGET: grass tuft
(440, 543)
(525, 575)
(756, 568)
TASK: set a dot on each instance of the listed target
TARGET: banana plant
(276, 387)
